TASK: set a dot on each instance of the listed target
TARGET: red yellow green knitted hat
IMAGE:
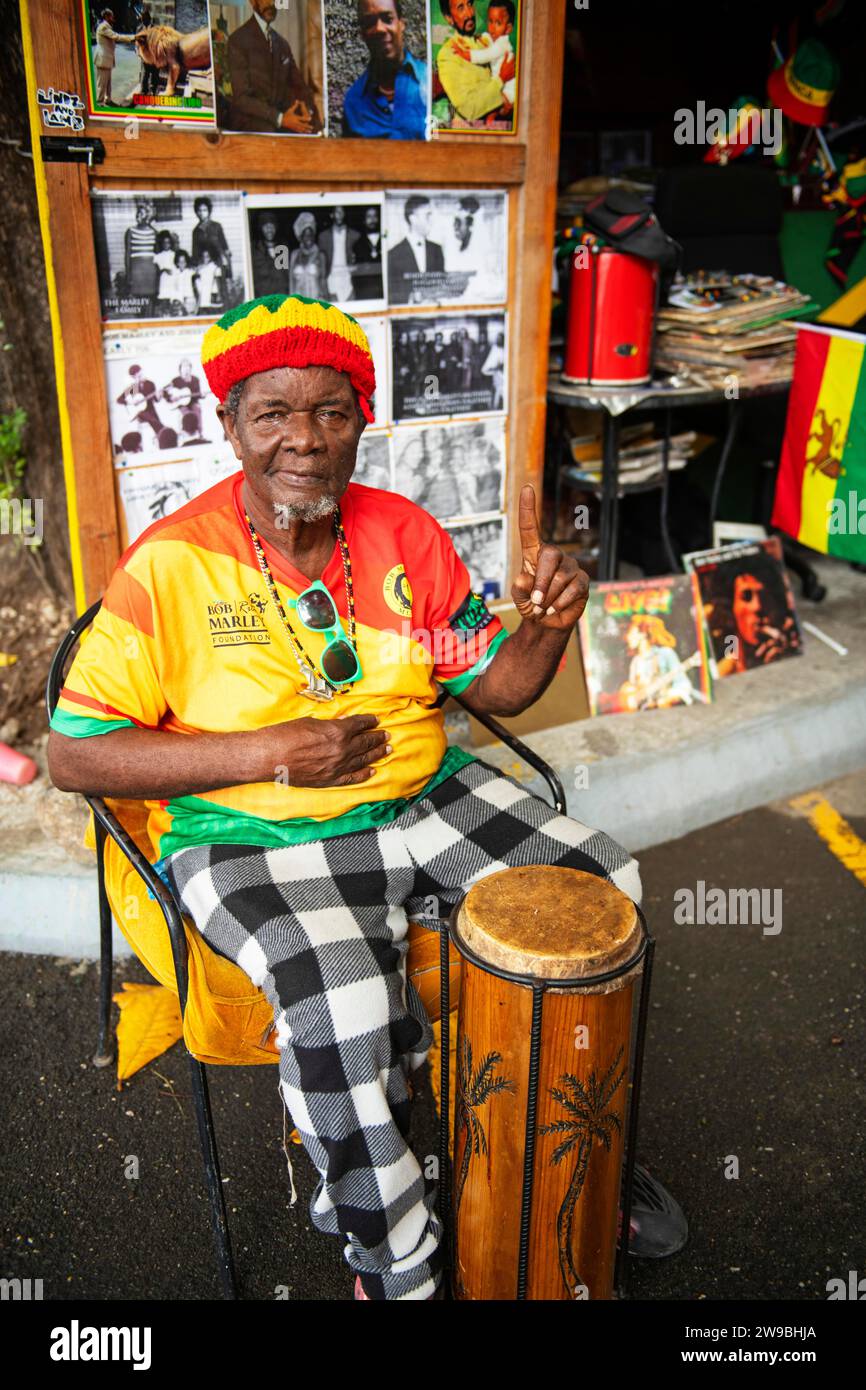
(286, 330)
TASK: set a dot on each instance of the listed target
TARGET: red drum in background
(611, 314)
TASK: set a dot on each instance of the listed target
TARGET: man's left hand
(551, 588)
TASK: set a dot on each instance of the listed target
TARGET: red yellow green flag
(821, 487)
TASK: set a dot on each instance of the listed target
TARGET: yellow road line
(835, 831)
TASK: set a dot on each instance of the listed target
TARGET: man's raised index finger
(527, 522)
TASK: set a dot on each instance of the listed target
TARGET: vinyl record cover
(748, 604)
(643, 645)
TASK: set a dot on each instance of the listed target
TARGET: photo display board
(169, 263)
(231, 151)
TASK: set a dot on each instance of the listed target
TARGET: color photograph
(448, 364)
(168, 255)
(378, 69)
(149, 59)
(474, 44)
(269, 66)
(322, 246)
(447, 246)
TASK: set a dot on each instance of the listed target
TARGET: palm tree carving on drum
(474, 1089)
(589, 1119)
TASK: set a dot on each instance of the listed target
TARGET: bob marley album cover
(643, 645)
(748, 604)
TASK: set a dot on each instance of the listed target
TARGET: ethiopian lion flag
(821, 487)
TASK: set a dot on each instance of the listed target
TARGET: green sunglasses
(318, 612)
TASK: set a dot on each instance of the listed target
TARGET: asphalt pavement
(755, 1052)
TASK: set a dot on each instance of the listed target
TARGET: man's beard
(313, 510)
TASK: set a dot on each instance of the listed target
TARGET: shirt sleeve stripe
(76, 697)
(82, 726)
(457, 684)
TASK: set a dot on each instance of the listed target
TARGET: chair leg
(104, 1053)
(201, 1100)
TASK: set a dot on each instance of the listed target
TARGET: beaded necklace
(319, 686)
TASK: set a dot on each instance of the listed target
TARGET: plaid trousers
(321, 928)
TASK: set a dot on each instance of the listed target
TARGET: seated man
(262, 671)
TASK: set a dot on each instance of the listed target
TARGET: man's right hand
(298, 118)
(324, 752)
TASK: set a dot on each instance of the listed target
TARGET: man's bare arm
(550, 594)
(519, 673)
(147, 764)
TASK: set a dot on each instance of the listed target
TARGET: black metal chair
(106, 824)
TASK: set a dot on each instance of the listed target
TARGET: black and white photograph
(323, 246)
(150, 492)
(376, 330)
(448, 364)
(455, 470)
(169, 255)
(373, 466)
(269, 65)
(149, 60)
(159, 401)
(447, 246)
(481, 547)
(378, 69)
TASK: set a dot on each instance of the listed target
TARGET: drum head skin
(549, 923)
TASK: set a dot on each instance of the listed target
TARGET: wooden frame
(525, 164)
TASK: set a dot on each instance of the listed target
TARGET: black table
(664, 395)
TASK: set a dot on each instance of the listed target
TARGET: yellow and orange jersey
(188, 640)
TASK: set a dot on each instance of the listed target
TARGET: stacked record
(715, 327)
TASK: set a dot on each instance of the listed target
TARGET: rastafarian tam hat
(287, 330)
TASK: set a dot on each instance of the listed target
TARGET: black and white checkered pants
(321, 928)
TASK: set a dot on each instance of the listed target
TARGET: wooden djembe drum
(550, 961)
